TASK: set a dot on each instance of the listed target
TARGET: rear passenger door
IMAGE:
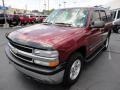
(104, 31)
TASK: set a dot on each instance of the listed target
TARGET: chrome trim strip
(20, 57)
(23, 46)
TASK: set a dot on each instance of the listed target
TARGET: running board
(97, 53)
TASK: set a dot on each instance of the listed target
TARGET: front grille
(22, 48)
(21, 57)
(24, 57)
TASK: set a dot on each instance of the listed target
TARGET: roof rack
(100, 6)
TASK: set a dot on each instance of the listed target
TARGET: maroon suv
(23, 19)
(31, 18)
(55, 51)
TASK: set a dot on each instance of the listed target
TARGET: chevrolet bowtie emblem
(14, 50)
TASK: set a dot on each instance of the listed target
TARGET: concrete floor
(103, 73)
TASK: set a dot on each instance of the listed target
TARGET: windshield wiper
(66, 24)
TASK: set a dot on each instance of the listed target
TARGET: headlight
(49, 64)
(51, 58)
(44, 53)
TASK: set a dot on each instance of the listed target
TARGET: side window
(103, 16)
(113, 14)
(118, 16)
(109, 16)
(96, 16)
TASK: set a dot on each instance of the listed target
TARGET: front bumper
(46, 75)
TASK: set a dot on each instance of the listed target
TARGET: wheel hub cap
(75, 69)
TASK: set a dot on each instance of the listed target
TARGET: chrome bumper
(54, 76)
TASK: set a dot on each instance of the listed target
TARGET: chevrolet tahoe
(56, 50)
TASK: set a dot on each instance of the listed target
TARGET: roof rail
(100, 6)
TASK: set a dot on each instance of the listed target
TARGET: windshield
(73, 17)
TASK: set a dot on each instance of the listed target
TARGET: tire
(16, 23)
(115, 29)
(20, 23)
(71, 76)
(25, 23)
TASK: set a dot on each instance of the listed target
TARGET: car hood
(45, 35)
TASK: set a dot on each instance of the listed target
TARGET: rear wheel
(119, 30)
(73, 69)
(25, 23)
(116, 29)
(15, 23)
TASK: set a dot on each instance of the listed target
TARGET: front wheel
(73, 69)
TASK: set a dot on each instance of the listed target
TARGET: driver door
(94, 38)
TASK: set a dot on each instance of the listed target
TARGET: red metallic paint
(64, 39)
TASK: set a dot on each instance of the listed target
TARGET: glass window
(109, 16)
(74, 17)
(118, 16)
(96, 16)
(80, 19)
(103, 16)
(113, 14)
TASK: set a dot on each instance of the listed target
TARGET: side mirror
(116, 22)
(98, 24)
